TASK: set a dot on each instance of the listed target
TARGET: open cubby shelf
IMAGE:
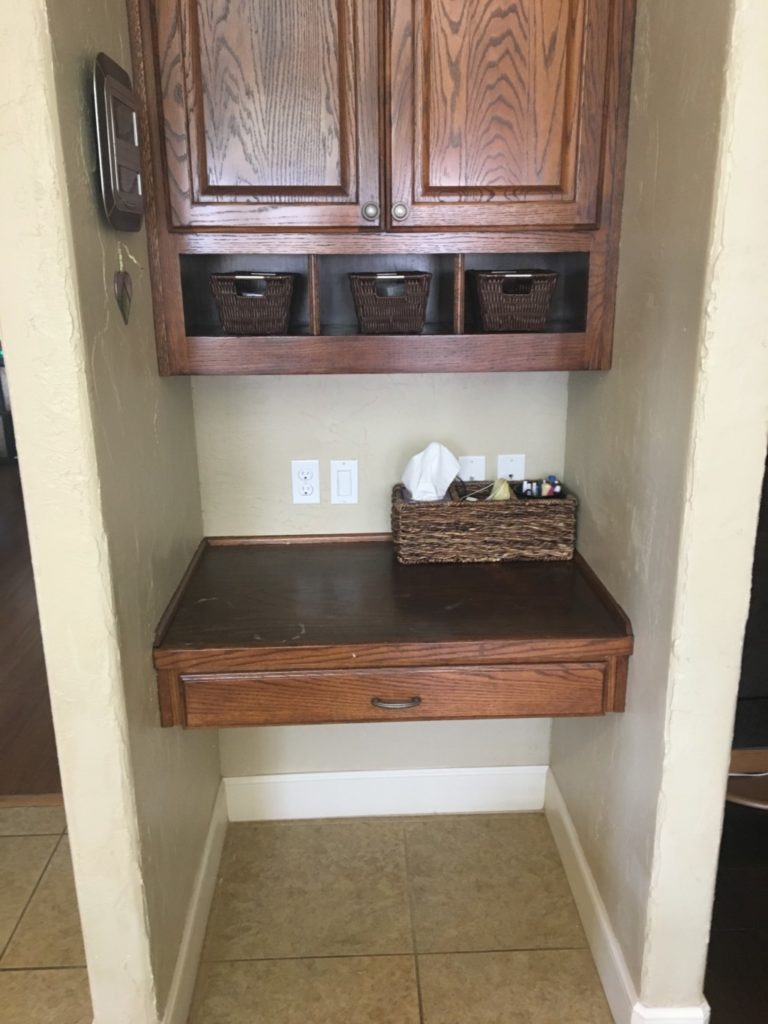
(324, 336)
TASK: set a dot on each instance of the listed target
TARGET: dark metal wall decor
(117, 135)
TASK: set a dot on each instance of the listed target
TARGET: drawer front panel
(380, 695)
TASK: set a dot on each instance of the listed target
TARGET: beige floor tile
(32, 821)
(540, 987)
(310, 889)
(347, 990)
(22, 861)
(487, 883)
(45, 997)
(49, 933)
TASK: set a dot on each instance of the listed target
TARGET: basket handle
(257, 292)
(390, 286)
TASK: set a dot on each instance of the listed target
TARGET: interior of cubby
(323, 303)
(337, 308)
(200, 313)
(568, 311)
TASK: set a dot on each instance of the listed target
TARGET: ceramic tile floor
(42, 964)
(439, 920)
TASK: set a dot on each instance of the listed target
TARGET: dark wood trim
(459, 294)
(313, 285)
(291, 538)
(403, 353)
(178, 593)
(602, 592)
(331, 243)
(620, 686)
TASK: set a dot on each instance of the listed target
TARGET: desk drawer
(393, 695)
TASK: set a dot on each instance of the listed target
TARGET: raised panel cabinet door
(497, 111)
(270, 112)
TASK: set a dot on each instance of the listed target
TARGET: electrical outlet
(472, 467)
(343, 481)
(510, 467)
(305, 481)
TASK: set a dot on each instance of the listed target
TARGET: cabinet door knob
(396, 705)
(400, 211)
(371, 211)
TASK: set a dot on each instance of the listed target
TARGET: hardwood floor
(737, 984)
(28, 762)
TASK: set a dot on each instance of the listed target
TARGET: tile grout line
(384, 956)
(5, 948)
(36, 970)
(412, 917)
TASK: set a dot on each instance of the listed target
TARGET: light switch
(472, 467)
(343, 481)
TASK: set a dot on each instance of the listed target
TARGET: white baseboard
(606, 951)
(185, 973)
(380, 793)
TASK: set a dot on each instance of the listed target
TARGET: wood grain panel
(282, 698)
(270, 111)
(496, 77)
(273, 85)
(497, 111)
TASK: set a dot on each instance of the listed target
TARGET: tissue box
(455, 530)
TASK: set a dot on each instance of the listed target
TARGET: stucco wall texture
(109, 471)
(648, 446)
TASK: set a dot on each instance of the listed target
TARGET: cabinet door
(270, 112)
(497, 111)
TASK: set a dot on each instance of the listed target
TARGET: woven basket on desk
(514, 300)
(253, 303)
(455, 530)
(391, 303)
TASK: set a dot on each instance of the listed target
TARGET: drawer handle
(396, 705)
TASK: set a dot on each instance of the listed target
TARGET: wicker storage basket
(514, 300)
(391, 303)
(454, 530)
(253, 303)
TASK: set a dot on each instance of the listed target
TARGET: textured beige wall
(110, 480)
(648, 446)
(248, 430)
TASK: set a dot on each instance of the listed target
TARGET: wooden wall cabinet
(477, 130)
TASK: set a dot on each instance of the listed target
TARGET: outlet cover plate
(472, 467)
(510, 467)
(305, 481)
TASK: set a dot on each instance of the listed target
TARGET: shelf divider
(459, 294)
(313, 279)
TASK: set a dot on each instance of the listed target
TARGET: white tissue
(430, 473)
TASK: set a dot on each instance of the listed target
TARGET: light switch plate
(343, 481)
(305, 481)
(472, 467)
(511, 467)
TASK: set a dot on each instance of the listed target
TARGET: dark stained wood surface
(405, 353)
(304, 630)
(28, 762)
(300, 595)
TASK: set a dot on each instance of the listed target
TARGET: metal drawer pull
(396, 705)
